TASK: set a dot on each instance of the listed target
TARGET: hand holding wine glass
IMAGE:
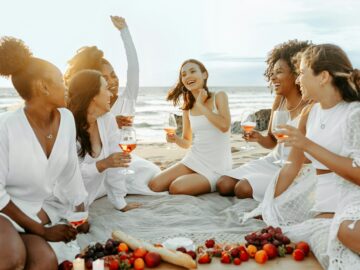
(127, 144)
(280, 117)
(248, 123)
(170, 127)
(127, 114)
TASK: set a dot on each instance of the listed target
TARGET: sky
(231, 37)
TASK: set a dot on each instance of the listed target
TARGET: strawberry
(204, 258)
(304, 247)
(244, 256)
(114, 265)
(237, 261)
(234, 253)
(210, 243)
(225, 258)
(241, 248)
(289, 249)
(298, 255)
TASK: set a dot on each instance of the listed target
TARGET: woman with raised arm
(251, 179)
(37, 160)
(121, 102)
(98, 139)
(328, 135)
(207, 115)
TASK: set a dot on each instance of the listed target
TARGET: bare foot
(131, 206)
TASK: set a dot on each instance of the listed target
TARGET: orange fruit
(140, 252)
(261, 256)
(123, 247)
(251, 250)
(139, 264)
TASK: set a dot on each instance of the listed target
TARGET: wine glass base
(247, 148)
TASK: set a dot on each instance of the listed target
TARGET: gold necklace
(295, 106)
(48, 136)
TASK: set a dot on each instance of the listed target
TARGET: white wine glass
(170, 126)
(280, 117)
(248, 123)
(127, 144)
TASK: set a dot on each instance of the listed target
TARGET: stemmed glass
(127, 144)
(280, 117)
(170, 126)
(248, 123)
(76, 218)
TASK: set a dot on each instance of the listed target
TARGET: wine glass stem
(281, 146)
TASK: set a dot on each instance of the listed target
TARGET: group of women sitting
(60, 152)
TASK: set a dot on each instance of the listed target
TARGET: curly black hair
(285, 51)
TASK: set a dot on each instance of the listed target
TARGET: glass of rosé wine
(170, 126)
(248, 123)
(280, 117)
(127, 144)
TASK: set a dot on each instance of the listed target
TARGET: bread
(167, 255)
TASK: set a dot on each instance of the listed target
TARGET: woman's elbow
(224, 128)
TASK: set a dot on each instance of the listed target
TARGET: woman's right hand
(119, 22)
(171, 137)
(253, 136)
(60, 232)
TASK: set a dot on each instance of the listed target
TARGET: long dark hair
(179, 89)
(331, 58)
(83, 87)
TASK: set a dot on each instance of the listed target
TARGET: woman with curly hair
(120, 102)
(251, 180)
(206, 115)
(37, 160)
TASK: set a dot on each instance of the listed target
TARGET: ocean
(152, 107)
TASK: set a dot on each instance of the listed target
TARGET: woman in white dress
(121, 102)
(323, 208)
(251, 180)
(37, 160)
(206, 115)
(98, 139)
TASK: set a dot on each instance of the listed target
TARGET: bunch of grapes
(268, 235)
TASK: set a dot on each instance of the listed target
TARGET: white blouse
(28, 177)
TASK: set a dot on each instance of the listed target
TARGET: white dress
(28, 178)
(210, 153)
(260, 172)
(110, 182)
(125, 104)
(311, 194)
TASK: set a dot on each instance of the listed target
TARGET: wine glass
(127, 144)
(248, 123)
(170, 126)
(76, 217)
(126, 114)
(280, 117)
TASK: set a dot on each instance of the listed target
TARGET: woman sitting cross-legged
(206, 115)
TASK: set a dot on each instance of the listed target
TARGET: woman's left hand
(119, 22)
(293, 137)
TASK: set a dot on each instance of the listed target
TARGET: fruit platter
(267, 248)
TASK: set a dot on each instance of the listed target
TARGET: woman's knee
(225, 186)
(243, 190)
(349, 237)
(12, 248)
(177, 188)
(155, 185)
(40, 255)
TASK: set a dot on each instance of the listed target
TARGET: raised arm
(132, 83)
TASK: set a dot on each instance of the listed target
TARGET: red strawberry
(298, 255)
(210, 243)
(114, 265)
(241, 248)
(225, 258)
(244, 256)
(237, 261)
(304, 247)
(204, 258)
(192, 254)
